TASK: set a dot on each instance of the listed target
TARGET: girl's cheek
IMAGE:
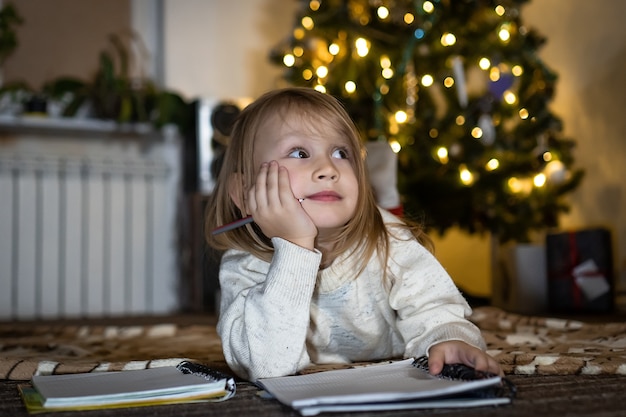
(296, 182)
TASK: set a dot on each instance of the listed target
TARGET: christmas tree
(457, 89)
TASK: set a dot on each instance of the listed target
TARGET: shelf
(56, 125)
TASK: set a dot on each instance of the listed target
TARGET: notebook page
(375, 383)
(108, 386)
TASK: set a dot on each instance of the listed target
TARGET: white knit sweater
(279, 317)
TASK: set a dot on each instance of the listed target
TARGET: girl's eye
(340, 153)
(298, 153)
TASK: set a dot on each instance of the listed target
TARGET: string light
(494, 74)
(484, 63)
(504, 33)
(523, 114)
(350, 87)
(510, 97)
(382, 12)
(362, 47)
(307, 23)
(314, 5)
(492, 164)
(442, 154)
(401, 116)
(321, 71)
(289, 60)
(539, 180)
(393, 128)
(428, 7)
(395, 146)
(520, 186)
(477, 132)
(515, 185)
(467, 178)
(427, 80)
(500, 10)
(298, 33)
(334, 49)
(448, 39)
(387, 73)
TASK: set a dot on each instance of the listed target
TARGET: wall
(63, 37)
(220, 48)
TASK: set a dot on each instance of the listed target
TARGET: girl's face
(319, 161)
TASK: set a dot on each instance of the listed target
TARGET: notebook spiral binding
(462, 372)
(187, 367)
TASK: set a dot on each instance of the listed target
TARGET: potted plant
(115, 94)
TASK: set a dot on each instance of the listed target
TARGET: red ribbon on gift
(577, 296)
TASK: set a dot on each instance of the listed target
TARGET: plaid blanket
(522, 345)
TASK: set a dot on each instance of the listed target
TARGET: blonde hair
(365, 231)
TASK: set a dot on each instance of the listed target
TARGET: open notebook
(397, 385)
(185, 382)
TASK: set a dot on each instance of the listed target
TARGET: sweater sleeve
(264, 313)
(430, 308)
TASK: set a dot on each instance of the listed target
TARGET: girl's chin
(326, 226)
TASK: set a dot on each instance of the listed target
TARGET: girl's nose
(326, 171)
(330, 176)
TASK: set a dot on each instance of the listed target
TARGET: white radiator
(87, 227)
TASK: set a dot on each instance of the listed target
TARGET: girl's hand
(455, 351)
(276, 210)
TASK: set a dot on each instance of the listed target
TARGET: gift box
(519, 278)
(580, 271)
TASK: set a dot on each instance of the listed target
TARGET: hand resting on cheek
(276, 210)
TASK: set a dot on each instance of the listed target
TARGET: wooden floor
(538, 396)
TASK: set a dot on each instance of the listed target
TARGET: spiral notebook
(185, 382)
(397, 385)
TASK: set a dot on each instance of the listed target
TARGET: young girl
(323, 275)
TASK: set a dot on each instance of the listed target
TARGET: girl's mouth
(324, 196)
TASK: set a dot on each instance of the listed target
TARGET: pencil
(237, 223)
(232, 225)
